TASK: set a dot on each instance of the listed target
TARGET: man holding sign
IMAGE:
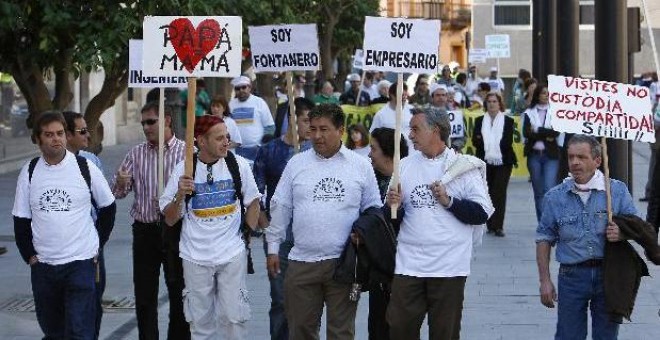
(575, 219)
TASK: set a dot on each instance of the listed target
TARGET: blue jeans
(579, 287)
(65, 299)
(100, 288)
(543, 171)
(279, 327)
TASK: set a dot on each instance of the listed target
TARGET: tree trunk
(266, 90)
(326, 43)
(30, 80)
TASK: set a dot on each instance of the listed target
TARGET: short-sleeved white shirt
(58, 202)
(211, 223)
(251, 116)
(386, 117)
(232, 129)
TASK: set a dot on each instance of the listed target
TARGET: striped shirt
(140, 163)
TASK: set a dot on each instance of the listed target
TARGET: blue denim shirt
(576, 228)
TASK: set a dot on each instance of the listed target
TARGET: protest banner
(600, 108)
(280, 48)
(358, 59)
(138, 79)
(478, 55)
(194, 46)
(498, 46)
(402, 46)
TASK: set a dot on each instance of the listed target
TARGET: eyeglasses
(82, 131)
(239, 88)
(150, 121)
(209, 174)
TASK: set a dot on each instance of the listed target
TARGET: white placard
(600, 108)
(194, 46)
(401, 45)
(457, 124)
(498, 46)
(358, 59)
(279, 48)
(136, 78)
(478, 55)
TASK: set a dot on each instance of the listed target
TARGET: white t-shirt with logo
(251, 116)
(323, 196)
(211, 223)
(432, 241)
(58, 202)
(386, 117)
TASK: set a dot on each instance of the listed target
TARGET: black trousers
(153, 246)
(498, 182)
(379, 298)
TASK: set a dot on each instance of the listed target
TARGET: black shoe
(490, 231)
(499, 233)
(644, 199)
(3, 250)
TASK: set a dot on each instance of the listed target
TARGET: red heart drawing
(190, 44)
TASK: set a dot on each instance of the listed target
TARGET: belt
(538, 152)
(587, 263)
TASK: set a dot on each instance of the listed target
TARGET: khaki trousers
(307, 287)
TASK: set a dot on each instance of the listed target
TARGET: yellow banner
(364, 115)
(215, 212)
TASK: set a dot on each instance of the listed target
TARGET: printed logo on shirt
(217, 200)
(422, 197)
(55, 200)
(329, 189)
(243, 115)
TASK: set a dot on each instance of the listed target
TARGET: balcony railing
(453, 14)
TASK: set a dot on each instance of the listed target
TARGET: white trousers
(215, 299)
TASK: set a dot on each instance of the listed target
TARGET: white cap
(493, 69)
(435, 86)
(453, 65)
(240, 81)
(458, 97)
(384, 83)
(353, 77)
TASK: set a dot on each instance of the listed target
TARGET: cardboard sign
(193, 46)
(136, 77)
(401, 45)
(478, 55)
(498, 46)
(600, 108)
(282, 48)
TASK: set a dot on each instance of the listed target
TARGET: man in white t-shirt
(252, 116)
(321, 192)
(56, 234)
(437, 231)
(386, 116)
(495, 82)
(211, 247)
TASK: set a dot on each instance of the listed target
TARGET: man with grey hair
(575, 220)
(443, 211)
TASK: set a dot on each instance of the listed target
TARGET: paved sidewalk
(501, 296)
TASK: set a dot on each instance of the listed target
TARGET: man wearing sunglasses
(77, 138)
(252, 115)
(137, 173)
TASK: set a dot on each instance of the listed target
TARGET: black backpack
(232, 166)
(84, 170)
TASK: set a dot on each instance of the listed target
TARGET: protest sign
(478, 55)
(401, 45)
(600, 108)
(498, 46)
(136, 77)
(194, 46)
(358, 59)
(278, 48)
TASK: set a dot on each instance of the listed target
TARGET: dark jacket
(547, 136)
(506, 143)
(375, 254)
(653, 209)
(623, 268)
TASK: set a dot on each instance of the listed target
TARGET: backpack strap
(33, 164)
(232, 165)
(84, 170)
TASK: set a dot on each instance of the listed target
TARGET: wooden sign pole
(397, 140)
(190, 125)
(161, 140)
(293, 121)
(606, 168)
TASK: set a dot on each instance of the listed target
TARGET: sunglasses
(239, 88)
(82, 131)
(150, 121)
(209, 174)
